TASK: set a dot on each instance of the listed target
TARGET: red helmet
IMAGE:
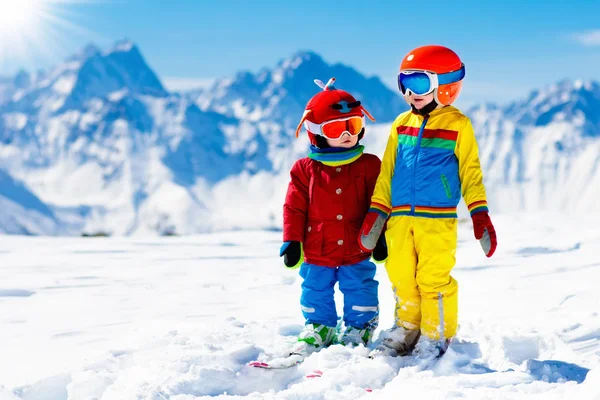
(439, 60)
(329, 105)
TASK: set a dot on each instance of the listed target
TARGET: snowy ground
(179, 318)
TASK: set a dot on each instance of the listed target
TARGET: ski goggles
(425, 82)
(335, 129)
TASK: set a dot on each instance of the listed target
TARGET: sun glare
(19, 14)
(34, 29)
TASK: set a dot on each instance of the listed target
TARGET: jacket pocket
(446, 184)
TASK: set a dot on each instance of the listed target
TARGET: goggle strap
(451, 77)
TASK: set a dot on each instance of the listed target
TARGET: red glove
(485, 232)
(370, 231)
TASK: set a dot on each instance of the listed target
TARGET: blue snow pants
(356, 282)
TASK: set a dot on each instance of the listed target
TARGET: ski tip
(258, 364)
(315, 374)
(368, 390)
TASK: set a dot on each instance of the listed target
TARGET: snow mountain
(103, 145)
(10, 85)
(23, 212)
(543, 153)
(100, 132)
(280, 94)
(97, 145)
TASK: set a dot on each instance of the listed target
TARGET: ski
(280, 362)
(315, 374)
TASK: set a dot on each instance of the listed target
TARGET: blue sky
(509, 48)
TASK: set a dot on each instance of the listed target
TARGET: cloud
(178, 84)
(587, 38)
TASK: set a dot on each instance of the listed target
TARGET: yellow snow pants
(421, 254)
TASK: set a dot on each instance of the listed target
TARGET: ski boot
(355, 336)
(429, 349)
(396, 342)
(314, 337)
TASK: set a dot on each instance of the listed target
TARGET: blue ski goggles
(425, 82)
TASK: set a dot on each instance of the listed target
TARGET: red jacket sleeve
(295, 209)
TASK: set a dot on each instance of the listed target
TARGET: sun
(34, 29)
(21, 14)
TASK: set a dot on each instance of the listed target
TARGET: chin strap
(425, 110)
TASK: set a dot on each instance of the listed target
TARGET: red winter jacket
(325, 208)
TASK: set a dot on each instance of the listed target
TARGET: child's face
(346, 141)
(420, 101)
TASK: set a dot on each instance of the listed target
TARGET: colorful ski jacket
(428, 163)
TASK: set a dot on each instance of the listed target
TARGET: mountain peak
(280, 93)
(300, 58)
(307, 55)
(122, 67)
(123, 46)
(89, 51)
(566, 100)
(575, 85)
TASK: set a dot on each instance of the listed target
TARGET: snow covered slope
(179, 319)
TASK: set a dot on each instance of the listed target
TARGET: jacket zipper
(414, 174)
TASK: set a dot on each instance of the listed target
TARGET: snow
(65, 85)
(124, 46)
(118, 95)
(182, 85)
(180, 317)
(15, 121)
(18, 219)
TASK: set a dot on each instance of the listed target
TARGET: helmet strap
(321, 142)
(425, 110)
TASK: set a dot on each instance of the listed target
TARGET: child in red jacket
(327, 200)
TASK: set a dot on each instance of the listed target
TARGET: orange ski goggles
(335, 129)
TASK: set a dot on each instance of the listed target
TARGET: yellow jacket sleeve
(469, 169)
(381, 202)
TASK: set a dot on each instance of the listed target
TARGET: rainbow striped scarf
(335, 156)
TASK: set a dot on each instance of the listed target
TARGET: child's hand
(292, 254)
(371, 231)
(485, 232)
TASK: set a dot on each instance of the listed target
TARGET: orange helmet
(440, 70)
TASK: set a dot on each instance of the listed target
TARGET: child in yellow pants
(431, 159)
